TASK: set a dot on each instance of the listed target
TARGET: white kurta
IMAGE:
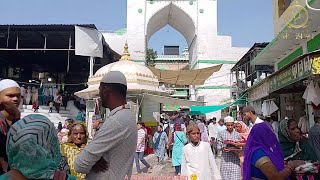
(199, 160)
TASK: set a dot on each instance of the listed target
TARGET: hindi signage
(294, 73)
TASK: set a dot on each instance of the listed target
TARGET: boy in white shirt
(197, 158)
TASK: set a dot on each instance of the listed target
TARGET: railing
(172, 57)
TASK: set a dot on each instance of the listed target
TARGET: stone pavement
(158, 170)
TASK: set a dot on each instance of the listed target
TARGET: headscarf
(244, 132)
(33, 147)
(294, 150)
(203, 132)
(262, 137)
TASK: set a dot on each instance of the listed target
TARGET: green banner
(292, 74)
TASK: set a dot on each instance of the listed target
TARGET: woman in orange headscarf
(243, 129)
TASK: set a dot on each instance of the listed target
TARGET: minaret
(126, 55)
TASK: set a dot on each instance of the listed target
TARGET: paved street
(158, 170)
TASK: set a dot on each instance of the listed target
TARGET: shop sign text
(296, 72)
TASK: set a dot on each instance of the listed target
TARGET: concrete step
(45, 108)
(54, 117)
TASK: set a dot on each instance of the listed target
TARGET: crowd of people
(249, 149)
(32, 148)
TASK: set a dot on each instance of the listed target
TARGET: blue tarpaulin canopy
(198, 110)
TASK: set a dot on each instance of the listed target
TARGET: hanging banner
(316, 65)
(292, 74)
(88, 42)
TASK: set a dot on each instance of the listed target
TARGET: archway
(178, 19)
(167, 36)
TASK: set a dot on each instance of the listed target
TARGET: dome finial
(126, 54)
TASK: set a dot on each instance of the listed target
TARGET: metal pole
(91, 66)
(8, 36)
(137, 109)
(17, 42)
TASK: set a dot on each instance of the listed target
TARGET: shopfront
(291, 83)
(264, 102)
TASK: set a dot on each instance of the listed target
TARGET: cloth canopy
(198, 110)
(170, 100)
(185, 77)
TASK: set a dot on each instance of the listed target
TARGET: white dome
(140, 79)
(135, 73)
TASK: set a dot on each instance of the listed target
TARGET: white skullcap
(8, 83)
(115, 77)
(228, 119)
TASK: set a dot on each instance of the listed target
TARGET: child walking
(197, 158)
(50, 106)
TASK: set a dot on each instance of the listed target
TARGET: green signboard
(292, 74)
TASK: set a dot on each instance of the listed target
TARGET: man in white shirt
(109, 156)
(249, 114)
(213, 134)
(221, 126)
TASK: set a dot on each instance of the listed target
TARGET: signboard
(260, 92)
(294, 73)
(316, 65)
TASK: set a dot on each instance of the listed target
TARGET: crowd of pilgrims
(257, 149)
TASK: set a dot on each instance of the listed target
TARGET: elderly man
(249, 114)
(230, 162)
(10, 97)
(111, 152)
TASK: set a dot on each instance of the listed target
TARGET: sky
(247, 21)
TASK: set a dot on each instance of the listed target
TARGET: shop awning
(198, 110)
(170, 100)
(185, 77)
